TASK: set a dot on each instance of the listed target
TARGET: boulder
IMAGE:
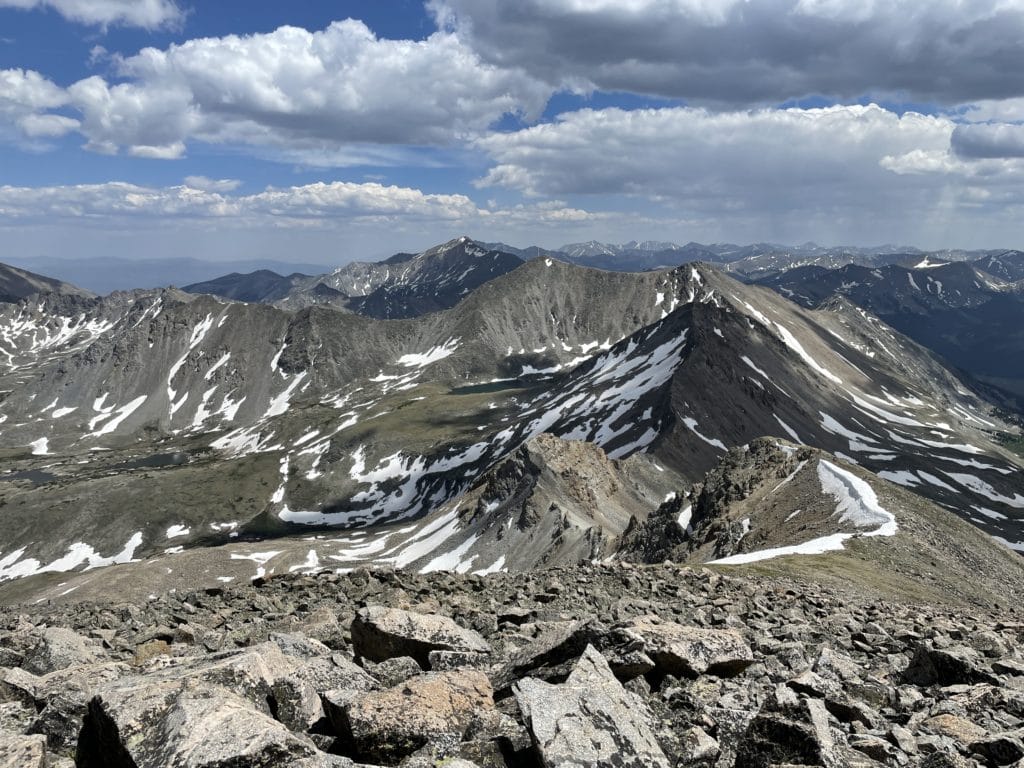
(1000, 748)
(590, 720)
(18, 685)
(335, 672)
(436, 708)
(296, 703)
(692, 651)
(550, 656)
(380, 633)
(955, 727)
(800, 734)
(947, 666)
(59, 648)
(192, 724)
(698, 747)
(62, 698)
(250, 672)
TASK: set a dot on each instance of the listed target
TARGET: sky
(324, 132)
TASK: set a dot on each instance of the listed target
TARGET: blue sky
(321, 132)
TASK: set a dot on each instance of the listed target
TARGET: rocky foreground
(611, 664)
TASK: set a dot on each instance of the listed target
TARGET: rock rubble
(611, 664)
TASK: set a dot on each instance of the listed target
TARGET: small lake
(488, 387)
(35, 476)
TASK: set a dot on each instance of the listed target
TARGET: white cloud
(120, 199)
(148, 14)
(326, 95)
(26, 97)
(780, 174)
(693, 153)
(731, 52)
(325, 202)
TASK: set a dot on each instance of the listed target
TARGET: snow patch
(420, 360)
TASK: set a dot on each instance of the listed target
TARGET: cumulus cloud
(785, 171)
(148, 14)
(321, 94)
(701, 155)
(733, 52)
(26, 98)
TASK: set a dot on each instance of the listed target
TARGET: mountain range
(968, 312)
(465, 409)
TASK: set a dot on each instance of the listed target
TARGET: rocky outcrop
(380, 633)
(589, 720)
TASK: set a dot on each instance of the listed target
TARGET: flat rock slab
(380, 633)
(434, 708)
(191, 724)
(59, 648)
(692, 651)
(590, 720)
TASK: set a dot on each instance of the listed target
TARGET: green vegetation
(1011, 442)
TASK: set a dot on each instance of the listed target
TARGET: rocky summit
(588, 665)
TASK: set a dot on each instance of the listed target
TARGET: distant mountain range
(17, 284)
(969, 312)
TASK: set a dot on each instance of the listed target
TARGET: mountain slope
(780, 509)
(17, 284)
(262, 286)
(958, 310)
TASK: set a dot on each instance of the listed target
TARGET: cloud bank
(148, 14)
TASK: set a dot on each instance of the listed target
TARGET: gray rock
(60, 721)
(22, 751)
(299, 646)
(692, 651)
(698, 747)
(1014, 667)
(380, 633)
(15, 718)
(800, 735)
(552, 655)
(393, 671)
(296, 703)
(191, 724)
(335, 672)
(442, 661)
(59, 648)
(903, 739)
(590, 720)
(947, 666)
(1000, 748)
(250, 673)
(435, 709)
(20, 686)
